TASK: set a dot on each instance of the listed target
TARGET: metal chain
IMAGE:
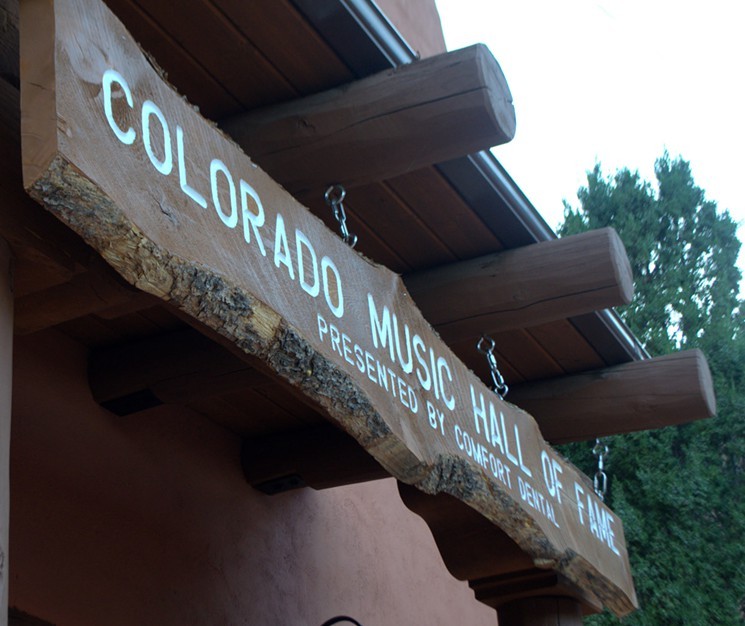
(485, 345)
(600, 481)
(334, 197)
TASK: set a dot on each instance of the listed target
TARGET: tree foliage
(680, 490)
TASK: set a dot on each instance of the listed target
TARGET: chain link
(600, 480)
(485, 345)
(334, 197)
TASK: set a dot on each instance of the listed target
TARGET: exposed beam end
(382, 126)
(643, 395)
(524, 287)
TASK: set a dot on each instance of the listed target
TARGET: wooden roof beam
(93, 291)
(319, 456)
(32, 232)
(180, 366)
(382, 126)
(643, 395)
(519, 288)
(173, 368)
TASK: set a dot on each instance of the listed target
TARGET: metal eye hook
(334, 197)
(335, 194)
(600, 480)
(486, 345)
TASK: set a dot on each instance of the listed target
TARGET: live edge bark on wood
(187, 217)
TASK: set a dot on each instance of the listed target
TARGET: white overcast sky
(615, 81)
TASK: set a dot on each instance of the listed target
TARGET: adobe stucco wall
(147, 520)
(418, 22)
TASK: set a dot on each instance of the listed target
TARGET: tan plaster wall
(418, 22)
(147, 520)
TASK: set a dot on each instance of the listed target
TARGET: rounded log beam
(519, 288)
(383, 126)
(642, 395)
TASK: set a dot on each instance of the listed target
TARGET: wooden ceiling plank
(564, 344)
(467, 352)
(641, 395)
(523, 287)
(132, 326)
(207, 35)
(385, 223)
(182, 69)
(384, 125)
(180, 372)
(214, 382)
(380, 208)
(309, 65)
(428, 195)
(372, 241)
(102, 331)
(520, 358)
(526, 355)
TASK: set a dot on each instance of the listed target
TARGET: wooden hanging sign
(175, 207)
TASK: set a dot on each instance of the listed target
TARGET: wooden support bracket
(524, 287)
(173, 368)
(319, 456)
(382, 126)
(496, 568)
(33, 234)
(642, 395)
(93, 291)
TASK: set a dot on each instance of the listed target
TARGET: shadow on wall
(147, 520)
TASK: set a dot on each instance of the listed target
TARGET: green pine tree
(680, 490)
